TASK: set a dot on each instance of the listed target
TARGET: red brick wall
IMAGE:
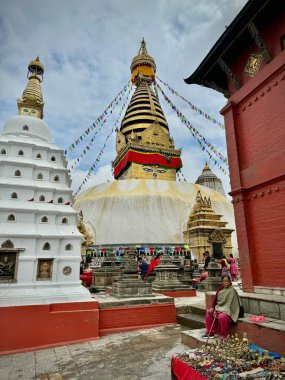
(134, 317)
(255, 132)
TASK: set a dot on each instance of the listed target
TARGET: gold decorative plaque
(253, 64)
(67, 271)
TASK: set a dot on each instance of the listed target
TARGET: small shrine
(129, 283)
(166, 280)
(206, 231)
(209, 179)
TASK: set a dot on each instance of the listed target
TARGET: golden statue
(82, 229)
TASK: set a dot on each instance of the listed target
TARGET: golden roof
(31, 103)
(143, 65)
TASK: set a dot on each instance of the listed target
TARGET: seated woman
(224, 310)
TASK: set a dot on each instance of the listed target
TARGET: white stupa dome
(141, 211)
(21, 125)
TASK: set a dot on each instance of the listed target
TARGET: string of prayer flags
(197, 135)
(94, 165)
(88, 146)
(194, 108)
(72, 146)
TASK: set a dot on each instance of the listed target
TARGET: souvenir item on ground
(230, 359)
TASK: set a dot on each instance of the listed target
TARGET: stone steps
(199, 309)
(193, 321)
(269, 335)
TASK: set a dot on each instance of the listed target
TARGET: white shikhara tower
(39, 240)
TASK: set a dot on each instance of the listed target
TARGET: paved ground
(141, 354)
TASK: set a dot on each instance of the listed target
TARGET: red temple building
(247, 65)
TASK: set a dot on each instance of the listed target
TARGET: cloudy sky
(87, 48)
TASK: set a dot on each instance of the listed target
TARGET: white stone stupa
(40, 244)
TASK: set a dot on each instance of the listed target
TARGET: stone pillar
(213, 281)
(104, 276)
(129, 283)
(167, 277)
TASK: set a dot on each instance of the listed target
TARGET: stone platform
(119, 315)
(269, 334)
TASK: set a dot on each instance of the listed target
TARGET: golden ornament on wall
(253, 64)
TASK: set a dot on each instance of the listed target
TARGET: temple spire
(145, 149)
(209, 179)
(31, 103)
(143, 67)
(142, 49)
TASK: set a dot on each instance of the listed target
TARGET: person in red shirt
(154, 263)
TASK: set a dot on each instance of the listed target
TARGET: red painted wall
(255, 132)
(120, 319)
(39, 326)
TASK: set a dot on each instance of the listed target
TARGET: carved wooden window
(3, 151)
(17, 173)
(60, 200)
(68, 247)
(64, 221)
(14, 196)
(46, 246)
(20, 153)
(42, 198)
(11, 218)
(44, 219)
(40, 176)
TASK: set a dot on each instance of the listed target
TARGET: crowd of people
(147, 263)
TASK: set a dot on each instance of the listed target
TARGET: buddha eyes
(149, 170)
(161, 171)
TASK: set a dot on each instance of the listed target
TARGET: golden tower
(144, 147)
(31, 103)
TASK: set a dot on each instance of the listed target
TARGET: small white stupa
(40, 244)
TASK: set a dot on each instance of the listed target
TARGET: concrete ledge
(269, 335)
(193, 338)
(179, 293)
(132, 317)
(106, 301)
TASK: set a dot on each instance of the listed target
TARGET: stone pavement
(140, 354)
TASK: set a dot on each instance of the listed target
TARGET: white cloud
(87, 49)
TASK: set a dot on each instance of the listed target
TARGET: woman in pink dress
(233, 268)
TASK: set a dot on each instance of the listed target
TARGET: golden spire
(143, 66)
(206, 167)
(144, 146)
(31, 103)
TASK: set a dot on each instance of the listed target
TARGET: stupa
(39, 241)
(145, 205)
(209, 179)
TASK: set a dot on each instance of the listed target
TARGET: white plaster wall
(146, 211)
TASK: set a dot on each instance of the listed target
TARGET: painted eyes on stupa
(161, 171)
(29, 111)
(151, 170)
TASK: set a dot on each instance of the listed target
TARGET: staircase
(192, 316)
(269, 335)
